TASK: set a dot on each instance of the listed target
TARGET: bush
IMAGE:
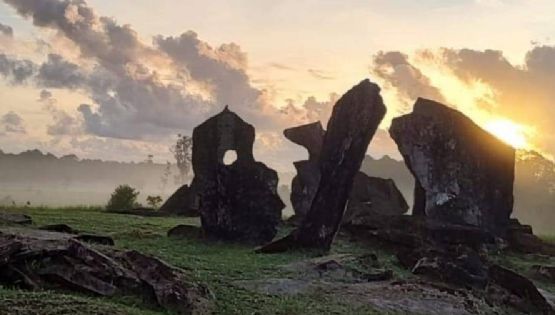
(123, 198)
(154, 201)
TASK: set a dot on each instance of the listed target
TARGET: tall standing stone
(237, 202)
(463, 174)
(353, 123)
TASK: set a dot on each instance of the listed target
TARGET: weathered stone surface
(463, 174)
(354, 121)
(371, 198)
(184, 201)
(238, 201)
(15, 218)
(310, 136)
(35, 259)
(522, 239)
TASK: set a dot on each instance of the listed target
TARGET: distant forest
(39, 178)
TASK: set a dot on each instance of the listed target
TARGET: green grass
(217, 264)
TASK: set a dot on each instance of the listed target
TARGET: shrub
(124, 197)
(154, 201)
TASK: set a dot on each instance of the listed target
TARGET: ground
(220, 265)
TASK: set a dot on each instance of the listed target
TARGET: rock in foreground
(35, 259)
(463, 174)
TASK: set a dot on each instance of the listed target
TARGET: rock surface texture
(237, 202)
(353, 123)
(463, 174)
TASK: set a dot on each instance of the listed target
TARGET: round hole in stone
(230, 157)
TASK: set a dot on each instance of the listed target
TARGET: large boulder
(463, 174)
(184, 201)
(371, 198)
(237, 202)
(353, 123)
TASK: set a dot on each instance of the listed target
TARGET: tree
(182, 151)
(124, 197)
(154, 201)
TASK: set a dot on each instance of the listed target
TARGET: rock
(532, 299)
(305, 183)
(354, 121)
(62, 228)
(463, 174)
(50, 260)
(185, 231)
(15, 218)
(528, 243)
(371, 198)
(184, 201)
(238, 202)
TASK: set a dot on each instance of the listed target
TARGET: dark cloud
(15, 70)
(59, 73)
(6, 30)
(12, 123)
(396, 71)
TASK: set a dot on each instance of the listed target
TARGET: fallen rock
(531, 299)
(186, 231)
(521, 239)
(238, 202)
(35, 259)
(354, 121)
(15, 218)
(184, 201)
(463, 174)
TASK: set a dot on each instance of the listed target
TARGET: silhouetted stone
(238, 201)
(305, 183)
(463, 174)
(184, 201)
(371, 198)
(34, 259)
(354, 121)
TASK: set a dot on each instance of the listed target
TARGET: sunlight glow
(509, 132)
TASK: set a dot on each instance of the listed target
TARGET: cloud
(522, 93)
(62, 122)
(6, 30)
(319, 74)
(15, 70)
(59, 73)
(12, 123)
(395, 70)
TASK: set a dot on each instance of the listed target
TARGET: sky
(120, 79)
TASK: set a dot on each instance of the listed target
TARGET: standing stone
(184, 201)
(238, 201)
(305, 183)
(353, 123)
(463, 174)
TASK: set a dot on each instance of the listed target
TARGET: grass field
(216, 264)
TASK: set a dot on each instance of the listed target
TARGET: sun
(513, 134)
